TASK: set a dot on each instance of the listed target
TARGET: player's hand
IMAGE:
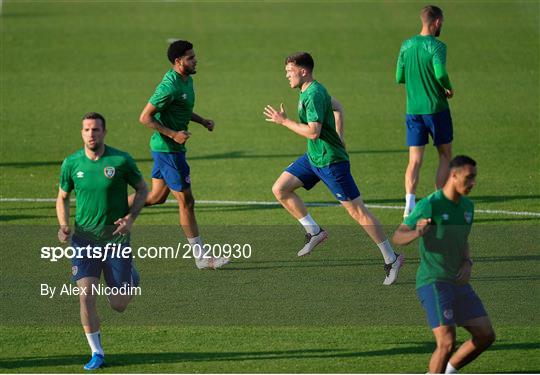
(273, 115)
(181, 136)
(422, 226)
(63, 233)
(123, 225)
(449, 93)
(209, 124)
(464, 274)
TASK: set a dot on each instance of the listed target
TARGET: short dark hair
(430, 13)
(178, 49)
(94, 116)
(302, 59)
(461, 160)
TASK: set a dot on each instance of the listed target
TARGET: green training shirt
(421, 66)
(442, 246)
(101, 191)
(315, 105)
(174, 99)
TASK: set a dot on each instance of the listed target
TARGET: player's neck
(94, 154)
(182, 73)
(451, 193)
(306, 84)
(426, 31)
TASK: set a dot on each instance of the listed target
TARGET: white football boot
(313, 240)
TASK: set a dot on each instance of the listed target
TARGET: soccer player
(443, 221)
(99, 175)
(168, 112)
(421, 66)
(326, 159)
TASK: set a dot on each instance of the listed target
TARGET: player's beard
(438, 32)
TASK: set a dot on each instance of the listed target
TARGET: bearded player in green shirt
(443, 221)
(99, 175)
(326, 160)
(168, 112)
(421, 66)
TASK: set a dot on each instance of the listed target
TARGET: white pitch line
(262, 203)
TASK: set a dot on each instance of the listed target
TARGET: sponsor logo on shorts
(445, 216)
(184, 96)
(468, 217)
(74, 270)
(448, 314)
(109, 172)
(188, 180)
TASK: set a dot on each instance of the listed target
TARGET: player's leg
(90, 321)
(483, 336)
(120, 272)
(445, 156)
(445, 338)
(412, 177)
(299, 174)
(417, 138)
(159, 191)
(360, 213)
(437, 300)
(441, 129)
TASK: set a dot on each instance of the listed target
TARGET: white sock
(450, 369)
(309, 224)
(94, 340)
(410, 202)
(387, 251)
(197, 251)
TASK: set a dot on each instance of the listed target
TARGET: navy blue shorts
(447, 304)
(118, 271)
(337, 177)
(438, 125)
(173, 168)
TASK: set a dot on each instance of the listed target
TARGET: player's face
(92, 133)
(294, 75)
(188, 62)
(464, 179)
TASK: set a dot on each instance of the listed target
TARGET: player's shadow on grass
(146, 358)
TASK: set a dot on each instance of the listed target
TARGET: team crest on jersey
(109, 172)
(448, 313)
(468, 217)
(74, 270)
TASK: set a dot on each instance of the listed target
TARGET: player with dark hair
(443, 221)
(99, 175)
(168, 112)
(421, 66)
(326, 159)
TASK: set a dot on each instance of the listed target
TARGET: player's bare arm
(464, 274)
(207, 123)
(147, 118)
(62, 213)
(311, 130)
(405, 235)
(124, 224)
(339, 118)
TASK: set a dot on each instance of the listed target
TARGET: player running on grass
(168, 112)
(421, 66)
(99, 175)
(326, 159)
(443, 221)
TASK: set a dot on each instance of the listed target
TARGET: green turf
(272, 312)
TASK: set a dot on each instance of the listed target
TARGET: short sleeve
(162, 97)
(439, 55)
(66, 182)
(133, 175)
(422, 210)
(315, 108)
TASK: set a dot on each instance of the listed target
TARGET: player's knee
(187, 203)
(415, 163)
(119, 306)
(446, 345)
(485, 340)
(278, 191)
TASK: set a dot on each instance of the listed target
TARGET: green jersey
(315, 105)
(174, 99)
(101, 191)
(442, 246)
(421, 66)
